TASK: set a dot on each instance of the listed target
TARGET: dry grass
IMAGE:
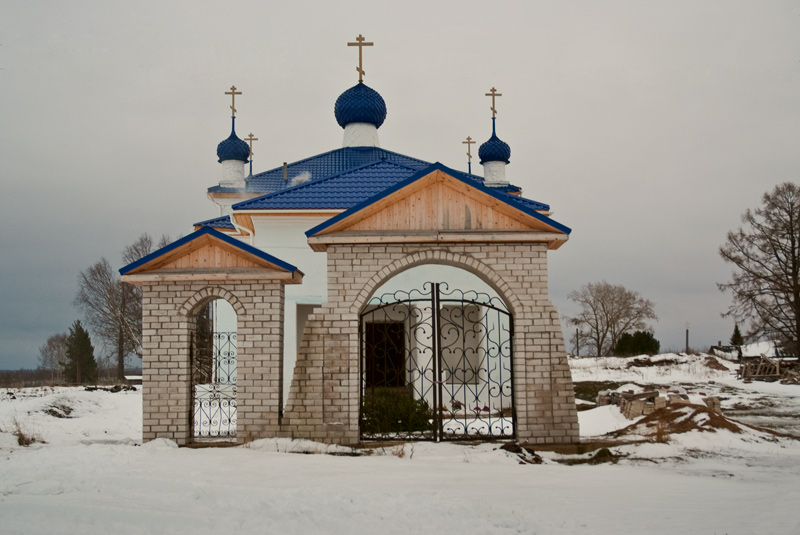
(25, 437)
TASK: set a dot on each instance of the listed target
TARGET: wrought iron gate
(213, 365)
(436, 364)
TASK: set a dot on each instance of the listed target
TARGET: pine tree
(80, 366)
(638, 343)
(737, 339)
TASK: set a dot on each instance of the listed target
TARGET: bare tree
(766, 255)
(607, 312)
(53, 356)
(113, 309)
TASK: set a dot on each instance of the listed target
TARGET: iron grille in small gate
(436, 365)
(213, 362)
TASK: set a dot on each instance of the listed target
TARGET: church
(355, 295)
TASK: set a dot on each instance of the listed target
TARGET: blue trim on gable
(503, 197)
(216, 234)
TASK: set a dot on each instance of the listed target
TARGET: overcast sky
(649, 127)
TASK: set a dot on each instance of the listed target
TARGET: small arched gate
(212, 360)
(436, 364)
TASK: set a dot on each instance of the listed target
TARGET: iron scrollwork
(214, 385)
(436, 364)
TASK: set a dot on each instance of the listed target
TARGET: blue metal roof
(360, 104)
(216, 234)
(223, 222)
(321, 166)
(523, 205)
(340, 191)
(344, 190)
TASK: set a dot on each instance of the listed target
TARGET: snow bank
(92, 476)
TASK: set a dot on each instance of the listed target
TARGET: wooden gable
(208, 257)
(443, 206)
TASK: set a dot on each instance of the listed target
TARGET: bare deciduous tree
(766, 254)
(607, 312)
(113, 309)
(53, 356)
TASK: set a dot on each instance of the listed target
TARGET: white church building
(359, 294)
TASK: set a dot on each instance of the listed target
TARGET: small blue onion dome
(494, 150)
(233, 148)
(360, 104)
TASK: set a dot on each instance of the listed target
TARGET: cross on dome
(360, 44)
(233, 94)
(493, 93)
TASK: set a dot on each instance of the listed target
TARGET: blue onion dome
(233, 148)
(494, 150)
(360, 104)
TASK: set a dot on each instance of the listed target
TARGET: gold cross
(468, 143)
(233, 94)
(250, 138)
(493, 93)
(360, 44)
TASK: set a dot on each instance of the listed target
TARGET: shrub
(638, 343)
(388, 410)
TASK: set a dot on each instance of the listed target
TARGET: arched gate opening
(212, 360)
(436, 363)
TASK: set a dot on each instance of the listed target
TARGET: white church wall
(285, 238)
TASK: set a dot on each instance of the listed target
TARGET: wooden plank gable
(209, 255)
(204, 253)
(439, 202)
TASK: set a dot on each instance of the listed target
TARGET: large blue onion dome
(360, 104)
(233, 148)
(494, 150)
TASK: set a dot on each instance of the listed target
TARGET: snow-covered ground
(91, 474)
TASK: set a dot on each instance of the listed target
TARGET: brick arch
(208, 293)
(437, 256)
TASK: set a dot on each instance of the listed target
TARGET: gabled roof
(411, 205)
(209, 254)
(328, 164)
(347, 189)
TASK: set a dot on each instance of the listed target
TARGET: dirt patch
(59, 411)
(588, 390)
(678, 419)
(647, 363)
(603, 455)
(526, 454)
(714, 364)
(113, 389)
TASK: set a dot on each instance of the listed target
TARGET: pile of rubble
(770, 370)
(633, 405)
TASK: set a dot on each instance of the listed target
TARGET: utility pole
(687, 337)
